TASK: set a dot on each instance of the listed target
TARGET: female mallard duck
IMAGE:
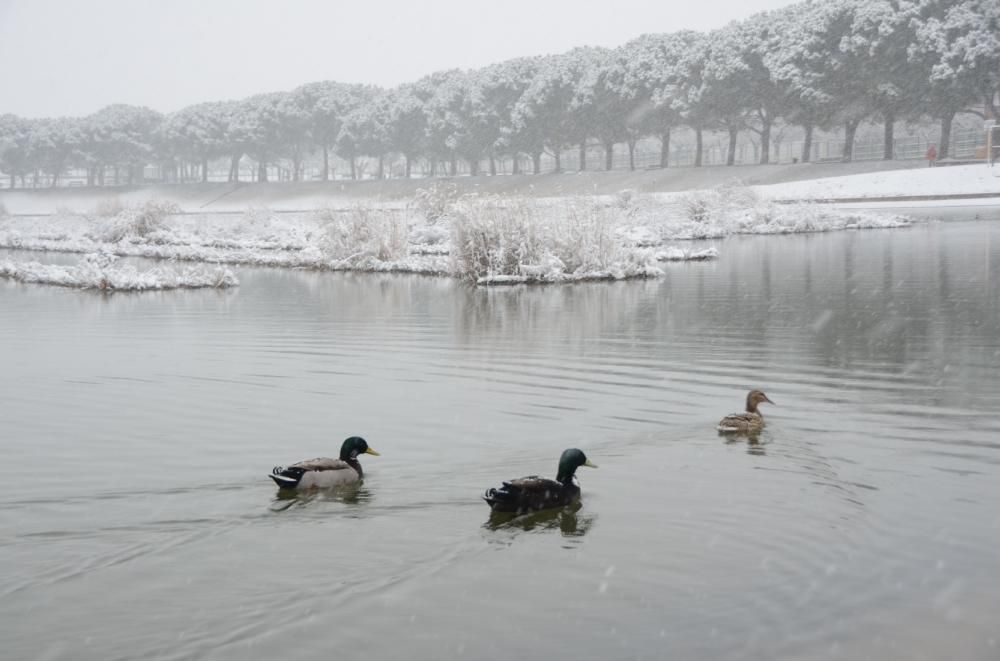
(529, 494)
(750, 420)
(322, 472)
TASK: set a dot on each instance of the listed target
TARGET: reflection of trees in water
(876, 296)
(907, 300)
(537, 316)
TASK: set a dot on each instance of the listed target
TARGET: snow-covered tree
(959, 42)
(656, 71)
(555, 110)
(364, 130)
(327, 104)
(197, 134)
(15, 147)
(57, 144)
(500, 87)
(123, 136)
(406, 126)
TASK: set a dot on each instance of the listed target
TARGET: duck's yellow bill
(590, 463)
(370, 451)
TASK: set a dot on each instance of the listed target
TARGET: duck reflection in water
(352, 494)
(755, 445)
(567, 520)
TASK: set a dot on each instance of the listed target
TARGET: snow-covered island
(482, 238)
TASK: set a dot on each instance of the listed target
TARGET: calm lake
(138, 521)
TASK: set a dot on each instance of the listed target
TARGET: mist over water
(138, 521)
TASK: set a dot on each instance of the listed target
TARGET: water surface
(138, 521)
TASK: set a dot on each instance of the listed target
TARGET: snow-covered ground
(951, 180)
(488, 239)
(100, 271)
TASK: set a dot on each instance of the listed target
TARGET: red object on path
(931, 155)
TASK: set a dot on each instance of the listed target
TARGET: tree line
(817, 65)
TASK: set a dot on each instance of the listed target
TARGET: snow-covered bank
(486, 239)
(951, 180)
(221, 197)
(99, 271)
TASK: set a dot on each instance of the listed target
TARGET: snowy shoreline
(484, 239)
(101, 272)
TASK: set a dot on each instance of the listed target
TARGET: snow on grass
(675, 254)
(950, 180)
(497, 240)
(728, 210)
(135, 221)
(487, 239)
(100, 271)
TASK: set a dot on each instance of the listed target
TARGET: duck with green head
(533, 493)
(748, 421)
(323, 472)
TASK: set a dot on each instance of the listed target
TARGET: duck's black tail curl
(504, 499)
(287, 478)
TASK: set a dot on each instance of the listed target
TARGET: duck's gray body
(318, 473)
(323, 472)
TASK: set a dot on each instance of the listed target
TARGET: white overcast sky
(71, 57)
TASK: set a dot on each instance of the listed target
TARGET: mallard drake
(533, 493)
(323, 472)
(750, 420)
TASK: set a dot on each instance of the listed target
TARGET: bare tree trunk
(807, 144)
(698, 145)
(945, 148)
(55, 178)
(409, 164)
(888, 136)
(731, 152)
(326, 163)
(765, 140)
(850, 128)
(493, 166)
(558, 157)
(536, 162)
(204, 170)
(381, 167)
(990, 104)
(453, 165)
(473, 167)
(262, 171)
(583, 156)
(515, 165)
(297, 168)
(631, 154)
(354, 168)
(665, 149)
(234, 168)
(12, 181)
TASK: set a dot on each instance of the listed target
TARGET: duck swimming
(533, 493)
(750, 420)
(322, 472)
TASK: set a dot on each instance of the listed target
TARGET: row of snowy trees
(817, 65)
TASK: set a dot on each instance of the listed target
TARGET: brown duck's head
(754, 398)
